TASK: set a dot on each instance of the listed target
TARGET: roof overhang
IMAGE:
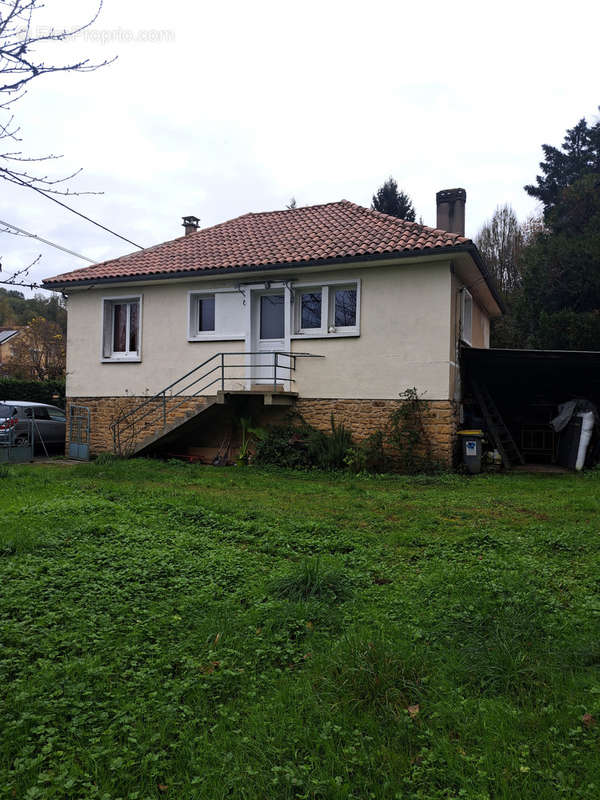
(470, 268)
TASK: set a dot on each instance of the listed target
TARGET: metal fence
(17, 447)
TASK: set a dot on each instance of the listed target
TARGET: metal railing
(157, 410)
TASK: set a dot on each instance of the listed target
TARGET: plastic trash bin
(472, 447)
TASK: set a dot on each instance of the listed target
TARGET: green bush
(408, 436)
(409, 448)
(301, 447)
(34, 391)
(368, 455)
(284, 446)
(329, 450)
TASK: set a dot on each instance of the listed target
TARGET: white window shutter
(107, 329)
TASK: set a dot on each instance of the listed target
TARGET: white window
(466, 316)
(331, 309)
(202, 314)
(121, 329)
(217, 315)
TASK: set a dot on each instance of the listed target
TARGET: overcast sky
(220, 108)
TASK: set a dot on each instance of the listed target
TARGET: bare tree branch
(17, 41)
(19, 65)
(18, 278)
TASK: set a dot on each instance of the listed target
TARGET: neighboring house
(7, 338)
(384, 303)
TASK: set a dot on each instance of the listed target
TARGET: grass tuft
(378, 672)
(312, 578)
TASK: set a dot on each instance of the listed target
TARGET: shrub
(404, 445)
(368, 455)
(329, 450)
(34, 391)
(284, 446)
(408, 437)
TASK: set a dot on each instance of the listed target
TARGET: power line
(79, 214)
(46, 241)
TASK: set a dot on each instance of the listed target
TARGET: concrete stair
(153, 432)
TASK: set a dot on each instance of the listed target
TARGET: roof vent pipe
(190, 224)
(451, 210)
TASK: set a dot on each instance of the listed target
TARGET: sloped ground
(179, 631)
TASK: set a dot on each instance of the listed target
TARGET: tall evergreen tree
(579, 156)
(390, 200)
(559, 307)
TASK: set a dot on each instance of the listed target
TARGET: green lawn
(176, 631)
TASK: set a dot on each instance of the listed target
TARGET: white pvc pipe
(587, 426)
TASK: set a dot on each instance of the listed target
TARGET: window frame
(328, 329)
(193, 334)
(466, 298)
(120, 356)
(299, 291)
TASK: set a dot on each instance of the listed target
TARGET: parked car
(49, 424)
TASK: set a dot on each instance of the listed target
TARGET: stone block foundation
(361, 417)
(365, 417)
(105, 410)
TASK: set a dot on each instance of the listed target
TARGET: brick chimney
(190, 224)
(451, 210)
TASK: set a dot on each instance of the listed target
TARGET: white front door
(269, 336)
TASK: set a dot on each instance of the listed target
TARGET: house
(8, 337)
(327, 308)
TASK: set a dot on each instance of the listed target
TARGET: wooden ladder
(502, 437)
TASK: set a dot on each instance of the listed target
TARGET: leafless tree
(500, 241)
(21, 61)
(22, 45)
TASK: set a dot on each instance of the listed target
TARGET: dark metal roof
(556, 375)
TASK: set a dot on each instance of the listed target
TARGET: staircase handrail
(130, 418)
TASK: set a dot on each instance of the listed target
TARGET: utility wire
(16, 179)
(83, 216)
(46, 241)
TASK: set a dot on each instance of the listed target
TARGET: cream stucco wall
(405, 325)
(480, 333)
(405, 320)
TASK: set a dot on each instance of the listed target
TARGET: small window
(466, 317)
(121, 334)
(344, 307)
(310, 310)
(206, 313)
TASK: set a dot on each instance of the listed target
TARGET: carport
(514, 394)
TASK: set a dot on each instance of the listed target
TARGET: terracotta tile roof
(295, 236)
